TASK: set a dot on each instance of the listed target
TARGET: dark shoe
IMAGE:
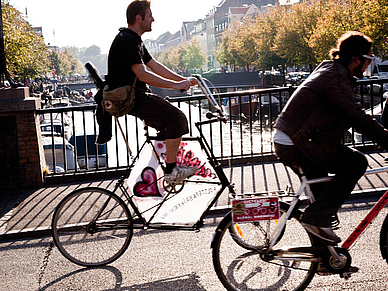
(325, 233)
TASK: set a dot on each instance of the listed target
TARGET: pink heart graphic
(147, 187)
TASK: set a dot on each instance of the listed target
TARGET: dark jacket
(322, 109)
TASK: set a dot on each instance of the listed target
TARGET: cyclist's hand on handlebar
(193, 81)
(183, 85)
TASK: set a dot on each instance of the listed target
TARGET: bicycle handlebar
(220, 116)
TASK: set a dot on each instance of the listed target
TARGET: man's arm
(163, 71)
(166, 78)
(341, 98)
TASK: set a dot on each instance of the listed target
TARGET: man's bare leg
(178, 174)
(172, 146)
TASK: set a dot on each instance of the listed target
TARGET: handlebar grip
(209, 115)
(207, 121)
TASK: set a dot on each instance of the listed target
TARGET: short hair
(349, 45)
(137, 7)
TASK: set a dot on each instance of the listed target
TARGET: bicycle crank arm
(317, 251)
(312, 254)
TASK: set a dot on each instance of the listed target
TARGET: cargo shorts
(158, 113)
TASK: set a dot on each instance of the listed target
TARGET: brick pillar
(21, 149)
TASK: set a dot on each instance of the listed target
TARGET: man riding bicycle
(309, 131)
(127, 62)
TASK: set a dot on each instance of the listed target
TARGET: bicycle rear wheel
(240, 268)
(92, 227)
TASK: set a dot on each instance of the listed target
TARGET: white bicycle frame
(305, 188)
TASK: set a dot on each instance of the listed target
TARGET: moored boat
(94, 154)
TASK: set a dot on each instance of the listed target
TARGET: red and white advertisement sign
(185, 207)
(253, 209)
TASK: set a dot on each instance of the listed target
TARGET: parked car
(94, 152)
(303, 76)
(291, 78)
(296, 78)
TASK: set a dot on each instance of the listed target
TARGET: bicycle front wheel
(92, 227)
(255, 235)
(244, 269)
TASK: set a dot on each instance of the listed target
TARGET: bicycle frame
(370, 216)
(305, 188)
(141, 222)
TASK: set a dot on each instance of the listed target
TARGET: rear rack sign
(253, 209)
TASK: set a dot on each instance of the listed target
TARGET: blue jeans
(348, 166)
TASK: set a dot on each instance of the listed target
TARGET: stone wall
(22, 161)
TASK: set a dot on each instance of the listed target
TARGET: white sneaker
(180, 173)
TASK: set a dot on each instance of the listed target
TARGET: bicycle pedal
(347, 275)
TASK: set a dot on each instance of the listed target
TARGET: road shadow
(183, 282)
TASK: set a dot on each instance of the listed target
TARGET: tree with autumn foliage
(171, 58)
(291, 41)
(65, 63)
(187, 57)
(376, 25)
(267, 26)
(192, 56)
(337, 16)
(25, 52)
(239, 48)
(304, 33)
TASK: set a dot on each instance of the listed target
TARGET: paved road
(165, 260)
(30, 213)
(174, 260)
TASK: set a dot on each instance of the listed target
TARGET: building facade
(208, 31)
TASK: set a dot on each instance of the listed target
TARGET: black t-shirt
(126, 50)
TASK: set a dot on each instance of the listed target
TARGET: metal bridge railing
(69, 132)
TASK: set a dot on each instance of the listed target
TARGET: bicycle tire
(241, 269)
(254, 235)
(86, 239)
(384, 239)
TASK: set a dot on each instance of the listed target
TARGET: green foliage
(26, 54)
(65, 63)
(191, 56)
(188, 57)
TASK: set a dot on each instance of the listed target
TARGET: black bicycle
(93, 226)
